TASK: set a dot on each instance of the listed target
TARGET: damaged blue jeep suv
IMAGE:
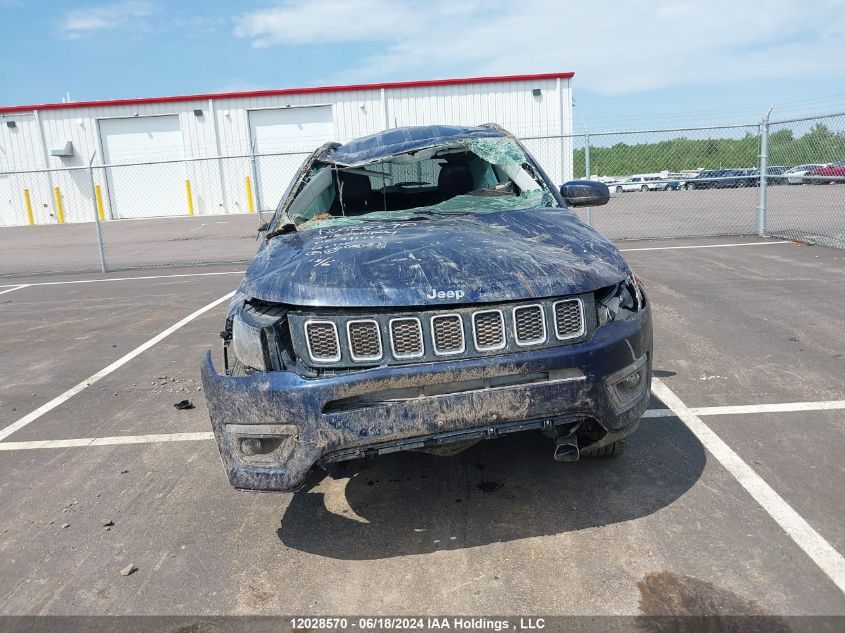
(425, 288)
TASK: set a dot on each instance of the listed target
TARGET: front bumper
(304, 421)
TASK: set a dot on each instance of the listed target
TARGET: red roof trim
(284, 91)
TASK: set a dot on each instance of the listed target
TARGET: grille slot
(488, 329)
(447, 332)
(364, 340)
(321, 338)
(569, 319)
(406, 338)
(529, 325)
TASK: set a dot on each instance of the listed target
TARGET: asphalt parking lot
(728, 499)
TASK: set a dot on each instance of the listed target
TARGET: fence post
(589, 210)
(97, 204)
(764, 176)
(256, 183)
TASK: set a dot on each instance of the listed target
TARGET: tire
(611, 450)
(644, 188)
(618, 189)
(690, 186)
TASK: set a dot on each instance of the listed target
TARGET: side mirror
(585, 193)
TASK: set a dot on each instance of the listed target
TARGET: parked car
(836, 172)
(750, 177)
(656, 183)
(643, 183)
(775, 174)
(634, 183)
(425, 288)
(793, 175)
(717, 179)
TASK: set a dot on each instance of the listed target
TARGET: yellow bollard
(250, 203)
(60, 211)
(190, 197)
(28, 202)
(99, 195)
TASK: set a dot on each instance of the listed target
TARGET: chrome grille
(321, 337)
(569, 319)
(448, 334)
(529, 325)
(364, 339)
(488, 328)
(406, 338)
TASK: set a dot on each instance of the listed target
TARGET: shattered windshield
(472, 175)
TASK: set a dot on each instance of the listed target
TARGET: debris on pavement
(128, 570)
(183, 405)
(106, 522)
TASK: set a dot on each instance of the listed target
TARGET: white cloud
(615, 47)
(80, 22)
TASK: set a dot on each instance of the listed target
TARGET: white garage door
(144, 190)
(299, 130)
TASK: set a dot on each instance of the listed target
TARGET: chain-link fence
(682, 182)
(139, 215)
(810, 207)
(671, 183)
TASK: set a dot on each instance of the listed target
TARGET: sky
(636, 64)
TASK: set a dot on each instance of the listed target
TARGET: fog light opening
(627, 386)
(251, 446)
(631, 381)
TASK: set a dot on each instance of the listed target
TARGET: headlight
(621, 301)
(248, 343)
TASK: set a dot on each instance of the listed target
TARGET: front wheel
(690, 186)
(618, 189)
(643, 188)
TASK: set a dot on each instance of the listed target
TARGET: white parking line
(676, 248)
(106, 441)
(744, 409)
(94, 281)
(13, 288)
(814, 545)
(52, 404)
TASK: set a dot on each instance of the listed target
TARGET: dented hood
(488, 257)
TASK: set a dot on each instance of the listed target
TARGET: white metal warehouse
(232, 152)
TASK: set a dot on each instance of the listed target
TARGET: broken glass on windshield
(473, 175)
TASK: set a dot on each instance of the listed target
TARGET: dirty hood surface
(489, 257)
